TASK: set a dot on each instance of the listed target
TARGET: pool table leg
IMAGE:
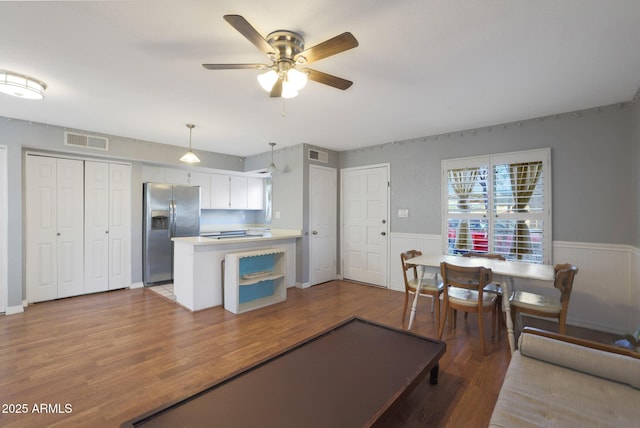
(433, 380)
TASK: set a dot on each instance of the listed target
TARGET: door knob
(383, 233)
(384, 221)
(315, 232)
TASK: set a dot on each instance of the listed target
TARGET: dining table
(507, 271)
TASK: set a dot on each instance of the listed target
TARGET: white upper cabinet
(255, 193)
(177, 176)
(217, 191)
(220, 191)
(237, 192)
(203, 180)
(153, 174)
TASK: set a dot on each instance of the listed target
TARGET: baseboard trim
(136, 285)
(12, 310)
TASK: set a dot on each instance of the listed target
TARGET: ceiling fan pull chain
(284, 110)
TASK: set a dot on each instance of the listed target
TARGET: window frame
(490, 161)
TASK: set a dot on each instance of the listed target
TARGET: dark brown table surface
(347, 376)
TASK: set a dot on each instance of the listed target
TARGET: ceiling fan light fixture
(21, 86)
(296, 78)
(190, 157)
(288, 90)
(268, 79)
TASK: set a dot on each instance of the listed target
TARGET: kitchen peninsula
(198, 264)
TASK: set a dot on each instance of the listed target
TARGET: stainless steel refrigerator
(169, 211)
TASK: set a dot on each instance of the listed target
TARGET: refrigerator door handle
(172, 221)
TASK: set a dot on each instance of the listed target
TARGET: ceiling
(423, 67)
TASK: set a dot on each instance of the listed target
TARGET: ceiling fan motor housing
(287, 45)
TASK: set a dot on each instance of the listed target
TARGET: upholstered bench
(555, 380)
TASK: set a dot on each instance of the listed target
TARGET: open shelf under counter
(254, 279)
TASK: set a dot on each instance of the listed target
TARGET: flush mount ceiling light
(190, 157)
(287, 73)
(21, 86)
(272, 169)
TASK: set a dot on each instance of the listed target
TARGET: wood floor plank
(115, 355)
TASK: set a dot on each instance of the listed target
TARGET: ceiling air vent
(86, 141)
(318, 155)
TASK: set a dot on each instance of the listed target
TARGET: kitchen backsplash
(248, 217)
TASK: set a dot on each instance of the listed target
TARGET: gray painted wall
(290, 194)
(594, 152)
(591, 170)
(635, 174)
(21, 136)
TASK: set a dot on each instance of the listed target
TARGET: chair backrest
(404, 257)
(485, 255)
(564, 275)
(471, 278)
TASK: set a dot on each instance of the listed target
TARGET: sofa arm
(605, 361)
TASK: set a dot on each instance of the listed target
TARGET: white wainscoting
(606, 292)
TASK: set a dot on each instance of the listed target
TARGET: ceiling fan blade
(335, 45)
(250, 33)
(328, 79)
(276, 91)
(233, 66)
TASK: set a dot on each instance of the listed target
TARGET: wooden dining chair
(464, 290)
(523, 302)
(428, 287)
(494, 287)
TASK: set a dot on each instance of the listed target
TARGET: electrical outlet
(403, 212)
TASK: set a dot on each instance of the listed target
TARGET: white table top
(498, 267)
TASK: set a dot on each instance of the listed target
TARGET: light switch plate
(403, 212)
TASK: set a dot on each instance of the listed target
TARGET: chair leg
(454, 316)
(443, 321)
(437, 303)
(494, 322)
(481, 328)
(406, 302)
(562, 326)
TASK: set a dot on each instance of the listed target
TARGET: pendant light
(272, 169)
(190, 157)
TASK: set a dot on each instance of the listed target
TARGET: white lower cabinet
(77, 237)
(254, 279)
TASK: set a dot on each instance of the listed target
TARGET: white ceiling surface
(423, 67)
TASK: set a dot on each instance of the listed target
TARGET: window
(499, 204)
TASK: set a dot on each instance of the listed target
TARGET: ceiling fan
(287, 73)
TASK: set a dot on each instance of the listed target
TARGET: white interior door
(41, 261)
(70, 225)
(322, 224)
(119, 226)
(96, 244)
(55, 228)
(4, 242)
(365, 228)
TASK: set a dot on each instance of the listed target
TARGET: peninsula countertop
(272, 235)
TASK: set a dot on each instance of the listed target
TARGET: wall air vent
(318, 155)
(86, 141)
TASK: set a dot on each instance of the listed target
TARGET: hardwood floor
(109, 357)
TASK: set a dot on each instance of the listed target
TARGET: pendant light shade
(21, 86)
(272, 169)
(190, 157)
